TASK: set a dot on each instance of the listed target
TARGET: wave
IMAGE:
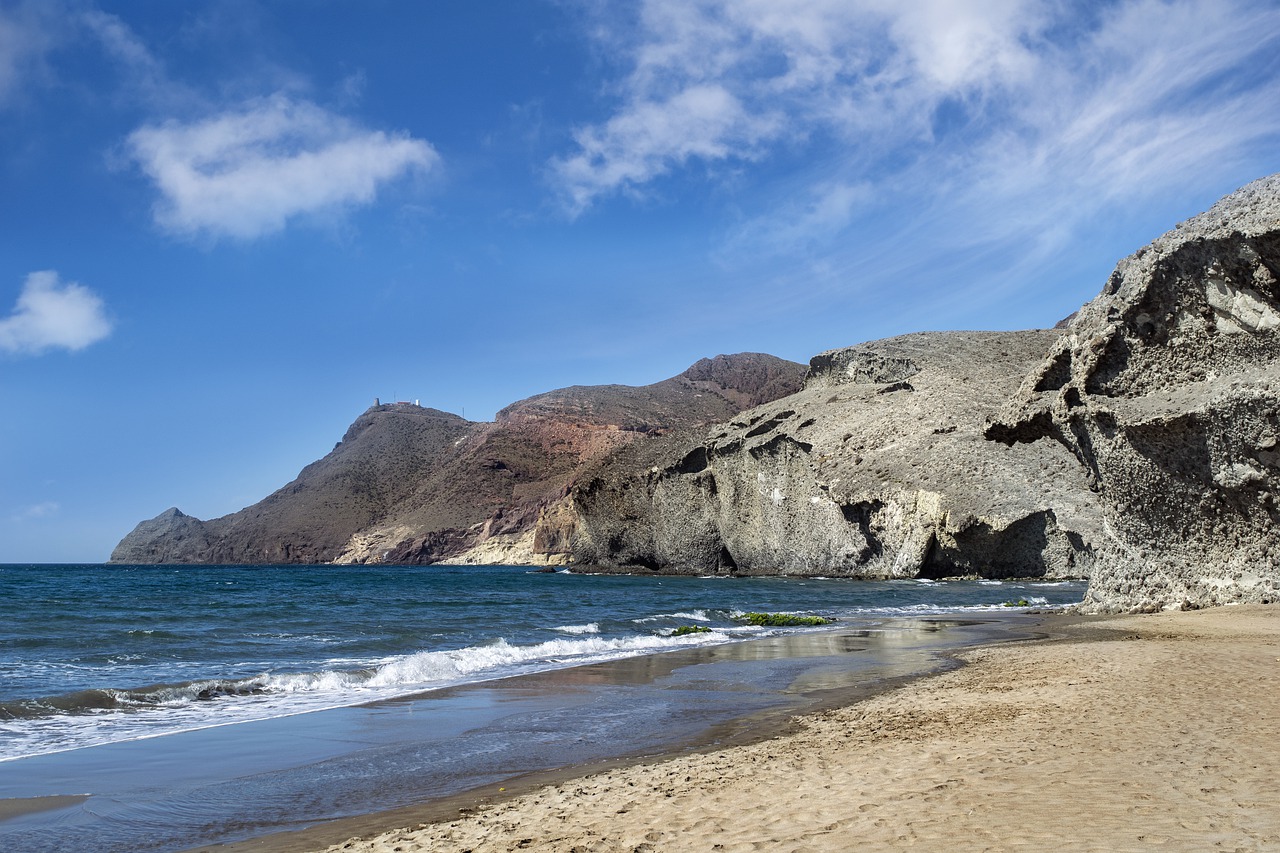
(689, 616)
(693, 615)
(931, 609)
(88, 717)
(589, 628)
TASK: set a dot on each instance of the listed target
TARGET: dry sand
(1131, 733)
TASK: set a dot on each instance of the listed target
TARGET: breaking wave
(89, 717)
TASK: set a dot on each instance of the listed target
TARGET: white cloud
(784, 69)
(51, 313)
(704, 122)
(951, 100)
(247, 172)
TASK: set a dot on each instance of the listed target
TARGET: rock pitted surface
(1166, 388)
(877, 468)
(415, 485)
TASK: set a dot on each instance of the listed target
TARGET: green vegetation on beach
(690, 629)
(784, 620)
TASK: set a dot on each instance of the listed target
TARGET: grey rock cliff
(877, 468)
(1166, 388)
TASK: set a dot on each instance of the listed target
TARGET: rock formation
(1166, 388)
(415, 485)
(877, 468)
(1143, 450)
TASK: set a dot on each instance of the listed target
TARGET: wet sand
(11, 807)
(1127, 733)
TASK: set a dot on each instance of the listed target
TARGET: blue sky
(226, 227)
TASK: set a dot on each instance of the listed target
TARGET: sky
(227, 226)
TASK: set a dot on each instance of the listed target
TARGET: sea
(170, 706)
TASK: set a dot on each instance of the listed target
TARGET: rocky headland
(1137, 444)
(408, 484)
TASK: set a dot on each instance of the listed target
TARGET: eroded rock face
(1166, 388)
(878, 468)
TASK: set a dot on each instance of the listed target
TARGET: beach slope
(1124, 733)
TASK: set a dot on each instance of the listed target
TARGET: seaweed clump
(784, 620)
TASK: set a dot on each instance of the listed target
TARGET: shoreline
(736, 733)
(837, 677)
(739, 731)
(1111, 732)
(266, 779)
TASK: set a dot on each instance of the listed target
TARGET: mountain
(413, 485)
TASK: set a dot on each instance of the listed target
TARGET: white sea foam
(694, 615)
(928, 609)
(687, 615)
(589, 628)
(207, 704)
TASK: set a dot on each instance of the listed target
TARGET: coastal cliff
(877, 468)
(415, 485)
(1166, 388)
(1137, 444)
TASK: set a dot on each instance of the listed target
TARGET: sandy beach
(1126, 733)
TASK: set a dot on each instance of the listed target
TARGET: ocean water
(91, 655)
(165, 708)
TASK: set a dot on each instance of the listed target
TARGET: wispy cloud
(818, 215)
(51, 314)
(146, 79)
(1023, 107)
(248, 171)
(36, 512)
(25, 37)
(704, 122)
(782, 70)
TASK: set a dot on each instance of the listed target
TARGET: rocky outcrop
(416, 485)
(877, 468)
(1166, 388)
(170, 537)
(386, 454)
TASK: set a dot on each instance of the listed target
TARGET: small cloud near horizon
(36, 512)
(53, 314)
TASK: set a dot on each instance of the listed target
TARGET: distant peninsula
(1138, 445)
